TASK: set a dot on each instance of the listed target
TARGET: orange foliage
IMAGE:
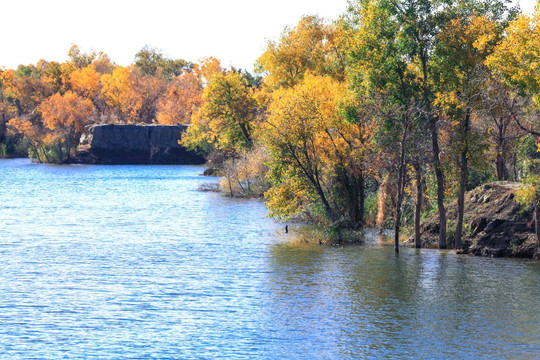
(85, 82)
(207, 68)
(68, 112)
(119, 93)
(181, 100)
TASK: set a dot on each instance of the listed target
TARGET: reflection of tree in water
(304, 297)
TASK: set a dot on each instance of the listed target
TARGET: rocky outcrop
(495, 224)
(137, 144)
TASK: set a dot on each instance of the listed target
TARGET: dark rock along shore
(137, 144)
(495, 224)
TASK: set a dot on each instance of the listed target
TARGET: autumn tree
(206, 68)
(397, 41)
(462, 47)
(311, 46)
(4, 106)
(382, 74)
(226, 118)
(66, 116)
(516, 59)
(181, 100)
(27, 88)
(85, 82)
(33, 131)
(316, 154)
(79, 60)
(151, 61)
(131, 95)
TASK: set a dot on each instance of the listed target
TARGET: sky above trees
(235, 31)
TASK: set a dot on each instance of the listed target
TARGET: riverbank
(495, 224)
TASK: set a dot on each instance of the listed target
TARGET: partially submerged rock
(495, 224)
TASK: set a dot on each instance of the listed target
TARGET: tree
(34, 133)
(381, 72)
(310, 46)
(516, 59)
(181, 100)
(85, 82)
(317, 152)
(498, 106)
(66, 116)
(27, 88)
(151, 61)
(395, 42)
(79, 60)
(207, 67)
(225, 121)
(119, 92)
(462, 47)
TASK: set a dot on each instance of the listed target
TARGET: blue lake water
(131, 262)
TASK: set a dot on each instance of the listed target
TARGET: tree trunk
(381, 202)
(351, 187)
(400, 189)
(500, 160)
(537, 221)
(3, 128)
(440, 183)
(462, 181)
(326, 204)
(417, 205)
(361, 198)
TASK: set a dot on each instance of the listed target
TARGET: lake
(130, 262)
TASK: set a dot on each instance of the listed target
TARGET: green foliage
(151, 61)
(226, 119)
(371, 207)
(13, 147)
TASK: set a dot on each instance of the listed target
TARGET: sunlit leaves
(119, 93)
(517, 58)
(310, 46)
(68, 111)
(226, 118)
(181, 100)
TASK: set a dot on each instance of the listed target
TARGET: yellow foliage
(517, 57)
(311, 144)
(310, 46)
(85, 82)
(119, 92)
(226, 118)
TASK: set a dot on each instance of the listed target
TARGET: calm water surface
(111, 262)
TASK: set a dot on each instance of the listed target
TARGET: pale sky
(234, 31)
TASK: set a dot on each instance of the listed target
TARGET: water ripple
(108, 262)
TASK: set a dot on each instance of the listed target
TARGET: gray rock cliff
(137, 144)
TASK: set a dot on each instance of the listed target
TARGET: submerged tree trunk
(400, 189)
(381, 203)
(418, 205)
(463, 180)
(440, 182)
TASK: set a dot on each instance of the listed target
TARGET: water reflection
(366, 301)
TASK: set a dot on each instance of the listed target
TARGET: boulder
(498, 225)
